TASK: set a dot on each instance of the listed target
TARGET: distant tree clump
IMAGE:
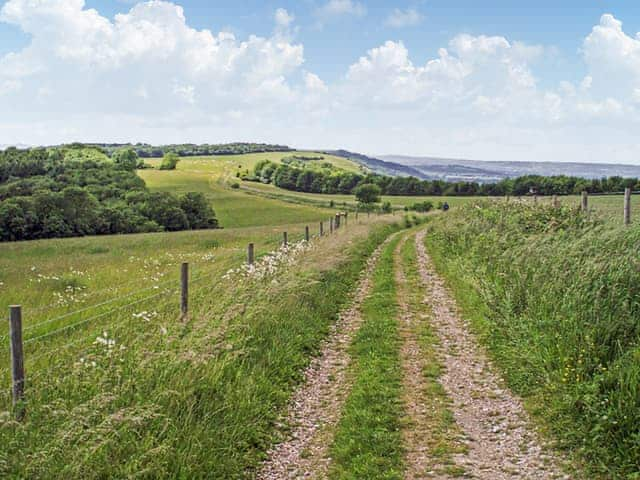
(169, 161)
(126, 158)
(75, 191)
(368, 193)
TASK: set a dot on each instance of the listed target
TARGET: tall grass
(557, 299)
(165, 398)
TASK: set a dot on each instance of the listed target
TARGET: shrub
(368, 193)
(169, 161)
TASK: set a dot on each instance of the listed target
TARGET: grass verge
(444, 438)
(368, 441)
(553, 296)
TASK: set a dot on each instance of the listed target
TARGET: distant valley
(455, 170)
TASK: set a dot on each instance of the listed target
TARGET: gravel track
(501, 442)
(316, 406)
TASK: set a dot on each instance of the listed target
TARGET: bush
(235, 185)
(126, 159)
(169, 161)
(368, 193)
(422, 207)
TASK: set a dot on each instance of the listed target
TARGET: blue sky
(518, 80)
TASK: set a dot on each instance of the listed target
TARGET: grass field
(211, 176)
(140, 390)
(236, 208)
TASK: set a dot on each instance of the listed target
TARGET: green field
(213, 176)
(132, 378)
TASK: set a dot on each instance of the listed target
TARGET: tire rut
(315, 407)
(501, 443)
(417, 458)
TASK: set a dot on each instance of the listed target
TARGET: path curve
(316, 406)
(501, 442)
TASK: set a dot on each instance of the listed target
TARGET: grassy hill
(213, 176)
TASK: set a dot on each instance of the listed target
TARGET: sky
(491, 80)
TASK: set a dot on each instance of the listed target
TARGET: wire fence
(41, 341)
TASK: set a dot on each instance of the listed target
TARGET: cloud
(283, 18)
(338, 8)
(148, 75)
(612, 57)
(489, 68)
(145, 62)
(404, 18)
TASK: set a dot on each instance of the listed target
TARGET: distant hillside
(490, 171)
(380, 166)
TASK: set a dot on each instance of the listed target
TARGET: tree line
(77, 190)
(326, 178)
(144, 150)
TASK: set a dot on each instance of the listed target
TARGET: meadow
(122, 393)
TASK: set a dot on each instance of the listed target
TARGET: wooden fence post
(337, 221)
(17, 359)
(250, 254)
(306, 233)
(535, 199)
(554, 201)
(285, 239)
(184, 288)
(627, 206)
(321, 228)
(585, 202)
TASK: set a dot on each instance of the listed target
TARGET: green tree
(126, 158)
(198, 211)
(169, 161)
(368, 193)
